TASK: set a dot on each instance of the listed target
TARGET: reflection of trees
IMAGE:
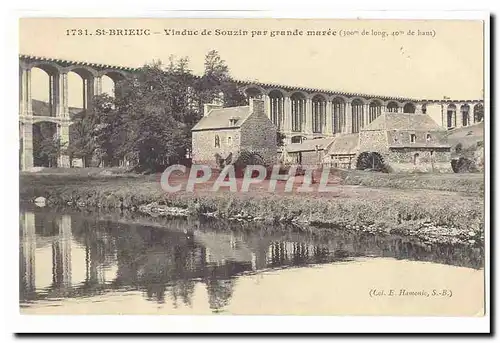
(167, 263)
(219, 284)
(183, 289)
(219, 293)
(161, 263)
(99, 246)
(367, 244)
(46, 224)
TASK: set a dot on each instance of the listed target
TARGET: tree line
(148, 122)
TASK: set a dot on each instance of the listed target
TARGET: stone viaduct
(299, 112)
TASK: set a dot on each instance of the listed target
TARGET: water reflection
(68, 256)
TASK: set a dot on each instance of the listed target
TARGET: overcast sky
(449, 64)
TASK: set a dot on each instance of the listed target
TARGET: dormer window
(233, 121)
(428, 137)
(413, 137)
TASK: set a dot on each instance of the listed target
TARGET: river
(82, 263)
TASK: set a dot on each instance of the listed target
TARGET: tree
(216, 84)
(155, 115)
(149, 121)
(46, 144)
(478, 114)
(93, 131)
(463, 165)
(280, 138)
(49, 150)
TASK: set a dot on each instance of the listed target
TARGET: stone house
(407, 142)
(227, 131)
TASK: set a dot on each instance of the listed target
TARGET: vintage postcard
(253, 166)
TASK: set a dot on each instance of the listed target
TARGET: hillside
(468, 137)
(41, 108)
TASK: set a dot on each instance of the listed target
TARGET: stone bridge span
(299, 112)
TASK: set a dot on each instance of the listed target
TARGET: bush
(463, 165)
(248, 158)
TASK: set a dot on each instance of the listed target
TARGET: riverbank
(454, 217)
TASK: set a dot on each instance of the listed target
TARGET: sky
(449, 63)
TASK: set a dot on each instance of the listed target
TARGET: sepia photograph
(253, 166)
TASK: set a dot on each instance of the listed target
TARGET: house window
(229, 140)
(217, 141)
(416, 159)
(428, 137)
(413, 137)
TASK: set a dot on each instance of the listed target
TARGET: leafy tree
(155, 115)
(149, 121)
(280, 138)
(216, 84)
(46, 144)
(478, 114)
(463, 165)
(92, 131)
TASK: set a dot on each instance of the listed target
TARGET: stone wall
(258, 133)
(419, 159)
(204, 149)
(404, 137)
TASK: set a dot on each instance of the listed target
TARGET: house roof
(403, 121)
(219, 118)
(309, 145)
(344, 145)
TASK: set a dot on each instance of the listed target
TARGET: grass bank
(430, 214)
(468, 183)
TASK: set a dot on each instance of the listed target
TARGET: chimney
(208, 107)
(257, 106)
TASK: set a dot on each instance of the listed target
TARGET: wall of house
(428, 160)
(204, 149)
(258, 134)
(404, 137)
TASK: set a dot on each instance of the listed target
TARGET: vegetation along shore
(445, 208)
